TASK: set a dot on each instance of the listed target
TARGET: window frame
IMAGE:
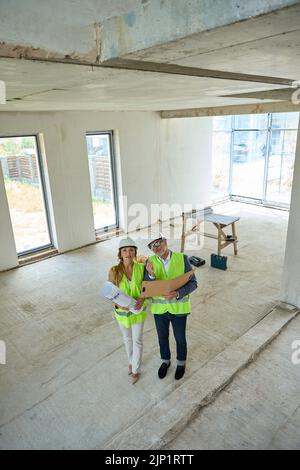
(44, 194)
(268, 129)
(113, 169)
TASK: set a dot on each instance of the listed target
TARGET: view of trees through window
(253, 156)
(101, 178)
(23, 184)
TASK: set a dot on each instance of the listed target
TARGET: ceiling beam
(256, 108)
(174, 69)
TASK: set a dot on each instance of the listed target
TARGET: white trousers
(133, 340)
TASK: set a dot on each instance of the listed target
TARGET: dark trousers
(162, 323)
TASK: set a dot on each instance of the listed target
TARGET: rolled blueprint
(113, 293)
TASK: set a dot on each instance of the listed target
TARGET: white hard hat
(127, 242)
(156, 236)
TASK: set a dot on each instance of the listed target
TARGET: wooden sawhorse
(220, 221)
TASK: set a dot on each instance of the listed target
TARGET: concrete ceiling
(33, 85)
(243, 61)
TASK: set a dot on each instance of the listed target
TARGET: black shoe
(180, 370)
(162, 371)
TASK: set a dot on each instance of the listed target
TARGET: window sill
(37, 256)
(102, 236)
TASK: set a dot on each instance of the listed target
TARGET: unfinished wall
(153, 159)
(290, 286)
(186, 146)
(8, 257)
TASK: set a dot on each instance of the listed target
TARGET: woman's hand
(139, 304)
(123, 308)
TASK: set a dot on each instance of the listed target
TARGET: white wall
(155, 163)
(186, 148)
(290, 285)
(8, 257)
(72, 216)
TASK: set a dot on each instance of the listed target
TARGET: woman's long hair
(119, 269)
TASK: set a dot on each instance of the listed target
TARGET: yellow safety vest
(125, 317)
(160, 305)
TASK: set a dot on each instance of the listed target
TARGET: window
(103, 180)
(24, 184)
(221, 148)
(250, 121)
(253, 156)
(281, 157)
(248, 163)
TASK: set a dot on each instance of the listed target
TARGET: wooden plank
(235, 238)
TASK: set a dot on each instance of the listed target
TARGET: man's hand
(171, 295)
(139, 304)
(150, 269)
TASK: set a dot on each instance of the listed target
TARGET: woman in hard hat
(128, 276)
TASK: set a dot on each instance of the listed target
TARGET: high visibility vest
(160, 305)
(125, 317)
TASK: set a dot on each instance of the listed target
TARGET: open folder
(160, 288)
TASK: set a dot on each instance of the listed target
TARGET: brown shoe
(135, 378)
(130, 369)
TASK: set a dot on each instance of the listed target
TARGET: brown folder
(160, 288)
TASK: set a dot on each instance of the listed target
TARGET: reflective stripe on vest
(160, 305)
(124, 313)
(158, 300)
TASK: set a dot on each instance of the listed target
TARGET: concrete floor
(259, 410)
(65, 385)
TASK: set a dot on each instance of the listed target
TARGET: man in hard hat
(173, 307)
